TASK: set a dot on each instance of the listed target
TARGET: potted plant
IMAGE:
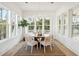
(23, 24)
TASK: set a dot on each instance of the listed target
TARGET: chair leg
(51, 47)
(37, 46)
(26, 48)
(40, 46)
(44, 49)
(31, 48)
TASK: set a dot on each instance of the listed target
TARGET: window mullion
(42, 26)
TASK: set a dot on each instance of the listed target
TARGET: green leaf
(23, 23)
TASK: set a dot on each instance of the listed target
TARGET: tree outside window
(3, 23)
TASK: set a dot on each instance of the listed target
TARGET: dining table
(39, 39)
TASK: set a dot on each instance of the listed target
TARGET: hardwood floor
(64, 49)
(40, 52)
(57, 50)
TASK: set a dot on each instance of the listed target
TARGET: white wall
(70, 42)
(8, 43)
(40, 13)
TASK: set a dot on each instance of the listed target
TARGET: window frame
(38, 25)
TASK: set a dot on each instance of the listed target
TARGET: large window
(31, 25)
(18, 20)
(39, 24)
(62, 21)
(75, 26)
(75, 22)
(4, 14)
(3, 23)
(59, 24)
(13, 24)
(46, 25)
(0, 13)
(8, 23)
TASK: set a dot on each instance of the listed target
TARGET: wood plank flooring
(57, 50)
(40, 52)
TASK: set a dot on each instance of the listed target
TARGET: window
(7, 29)
(46, 25)
(3, 23)
(75, 22)
(75, 25)
(31, 25)
(59, 24)
(62, 23)
(0, 13)
(39, 24)
(13, 24)
(4, 14)
(18, 20)
(2, 29)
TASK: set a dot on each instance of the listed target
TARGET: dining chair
(30, 42)
(47, 42)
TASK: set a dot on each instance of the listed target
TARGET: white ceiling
(39, 6)
(43, 6)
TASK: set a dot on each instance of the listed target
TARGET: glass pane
(12, 28)
(13, 18)
(46, 27)
(75, 30)
(46, 22)
(18, 18)
(30, 21)
(39, 27)
(31, 27)
(4, 32)
(18, 21)
(2, 29)
(39, 22)
(75, 25)
(4, 14)
(59, 24)
(46, 31)
(0, 13)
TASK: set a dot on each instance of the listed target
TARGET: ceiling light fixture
(26, 2)
(51, 2)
